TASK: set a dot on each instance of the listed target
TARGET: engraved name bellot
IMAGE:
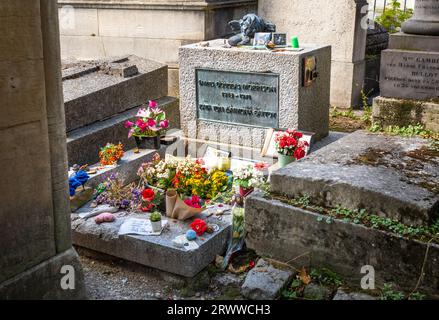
(244, 98)
(416, 73)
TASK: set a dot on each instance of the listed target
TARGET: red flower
(297, 135)
(194, 202)
(251, 264)
(199, 226)
(147, 208)
(148, 195)
(151, 123)
(299, 153)
(291, 142)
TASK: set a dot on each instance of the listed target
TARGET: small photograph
(279, 39)
(261, 39)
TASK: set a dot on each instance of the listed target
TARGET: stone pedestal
(425, 20)
(409, 80)
(233, 95)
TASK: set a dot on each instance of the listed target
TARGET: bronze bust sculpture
(246, 28)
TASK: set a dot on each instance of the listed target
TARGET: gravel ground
(109, 278)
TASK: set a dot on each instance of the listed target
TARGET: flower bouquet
(289, 146)
(150, 199)
(150, 125)
(247, 178)
(111, 154)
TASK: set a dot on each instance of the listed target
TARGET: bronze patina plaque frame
(238, 98)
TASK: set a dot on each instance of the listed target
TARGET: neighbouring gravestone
(410, 70)
(232, 95)
(100, 95)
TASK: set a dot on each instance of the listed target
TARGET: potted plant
(247, 178)
(150, 125)
(156, 221)
(111, 154)
(289, 147)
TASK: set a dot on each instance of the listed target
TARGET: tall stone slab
(341, 24)
(409, 80)
(35, 239)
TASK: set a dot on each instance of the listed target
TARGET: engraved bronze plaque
(241, 98)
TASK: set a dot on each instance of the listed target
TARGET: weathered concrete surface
(343, 295)
(404, 112)
(305, 108)
(84, 143)
(153, 251)
(284, 232)
(382, 174)
(92, 93)
(33, 190)
(404, 41)
(265, 282)
(43, 281)
(150, 29)
(335, 23)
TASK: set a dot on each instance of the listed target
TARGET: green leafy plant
(326, 277)
(388, 293)
(416, 296)
(155, 216)
(393, 16)
(361, 216)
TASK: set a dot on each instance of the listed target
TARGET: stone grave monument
(409, 81)
(232, 95)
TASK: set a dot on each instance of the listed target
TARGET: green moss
(424, 233)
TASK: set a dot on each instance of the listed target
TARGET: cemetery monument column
(35, 244)
(409, 81)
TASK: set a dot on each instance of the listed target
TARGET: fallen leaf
(304, 276)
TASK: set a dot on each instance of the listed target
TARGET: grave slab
(83, 144)
(153, 251)
(390, 176)
(287, 233)
(99, 89)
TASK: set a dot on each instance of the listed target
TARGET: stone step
(153, 251)
(286, 233)
(83, 144)
(94, 92)
(389, 176)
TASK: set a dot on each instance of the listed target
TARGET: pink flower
(164, 124)
(152, 104)
(143, 113)
(129, 124)
(151, 123)
(130, 133)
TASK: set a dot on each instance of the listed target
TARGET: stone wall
(150, 29)
(35, 239)
(336, 23)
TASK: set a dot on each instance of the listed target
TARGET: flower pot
(156, 226)
(245, 191)
(152, 143)
(285, 160)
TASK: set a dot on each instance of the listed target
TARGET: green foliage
(367, 116)
(349, 113)
(155, 216)
(326, 277)
(361, 216)
(393, 17)
(416, 296)
(389, 294)
(406, 131)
